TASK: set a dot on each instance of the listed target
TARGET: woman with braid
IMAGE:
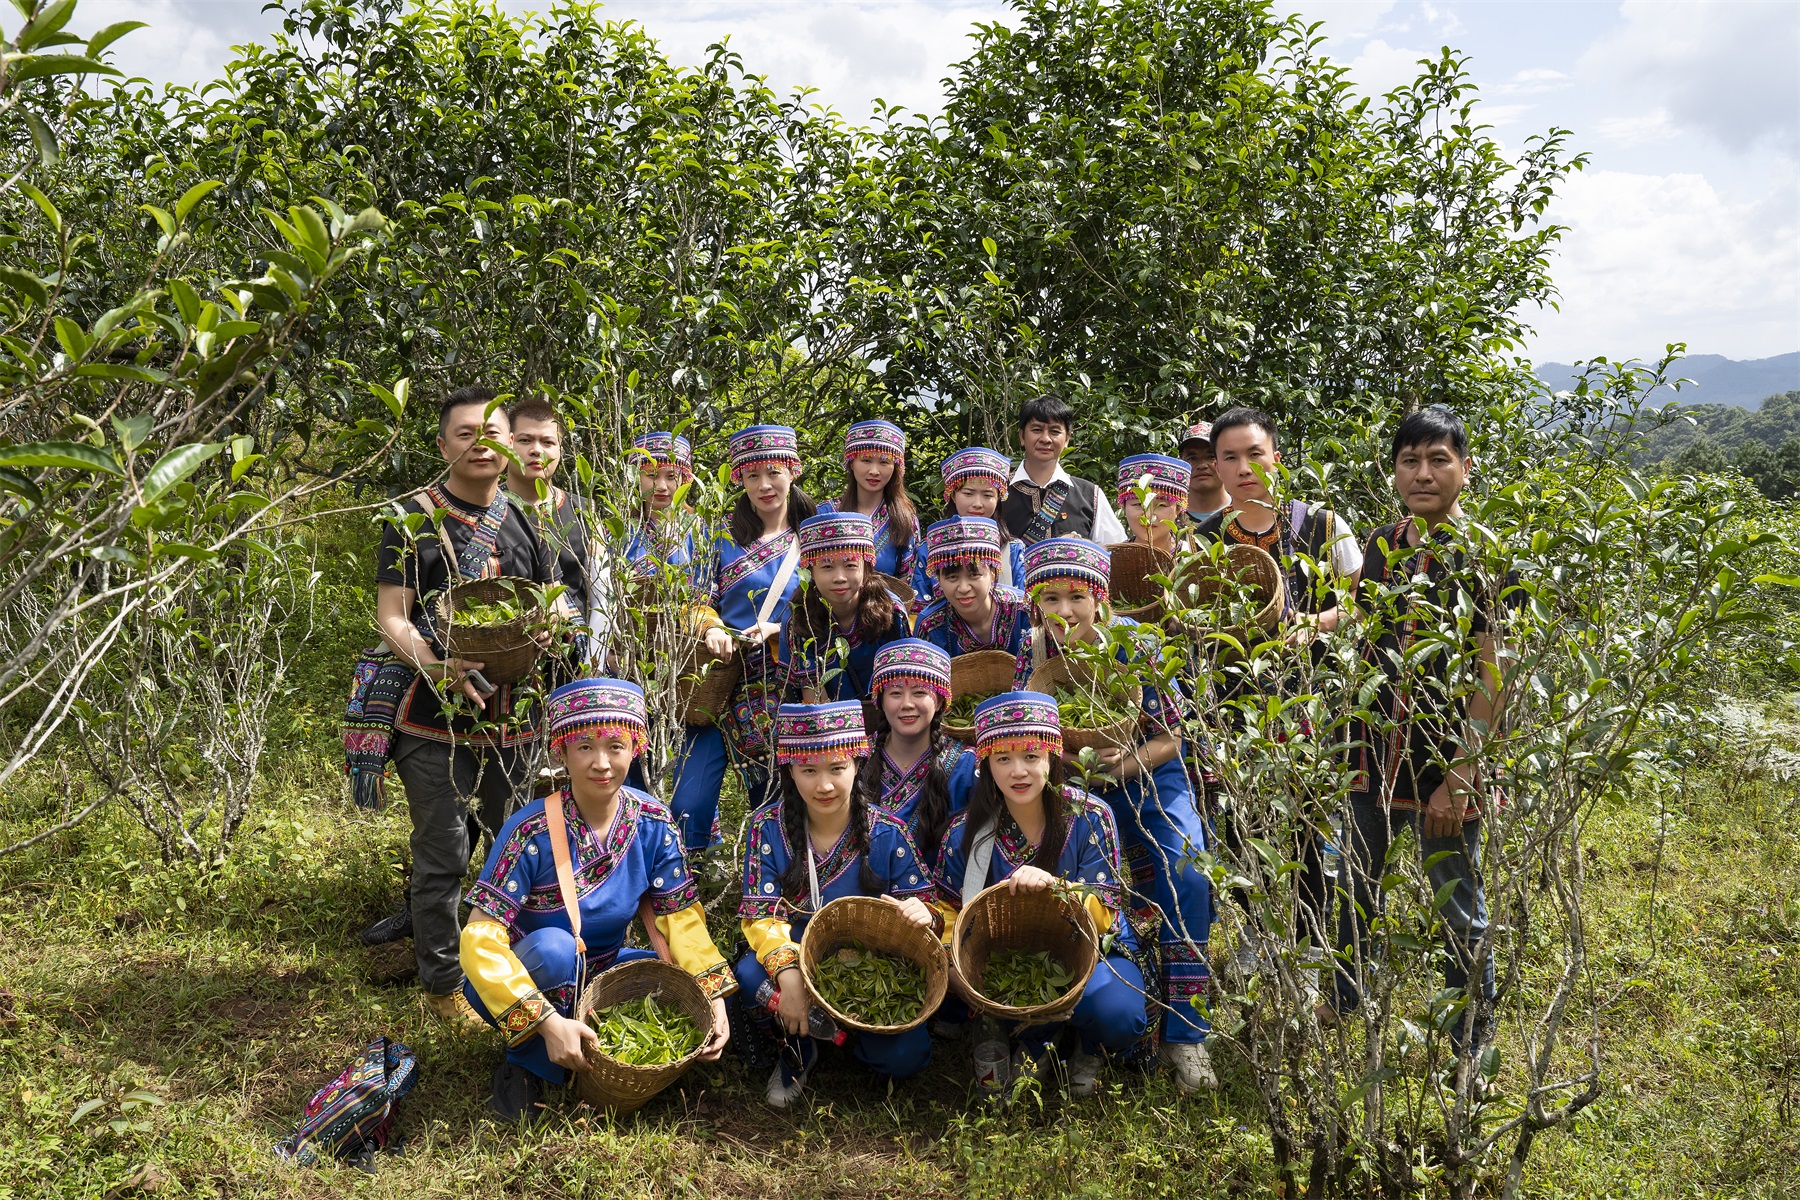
(818, 841)
(909, 770)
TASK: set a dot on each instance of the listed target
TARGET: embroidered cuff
(520, 1020)
(717, 980)
(781, 958)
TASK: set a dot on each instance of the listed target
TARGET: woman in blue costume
(975, 482)
(1151, 799)
(875, 486)
(663, 549)
(1026, 828)
(973, 610)
(753, 571)
(843, 602)
(525, 962)
(818, 842)
(909, 768)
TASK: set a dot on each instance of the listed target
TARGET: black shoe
(518, 1095)
(391, 928)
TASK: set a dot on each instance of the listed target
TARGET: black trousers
(454, 794)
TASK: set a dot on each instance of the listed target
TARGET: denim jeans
(1366, 841)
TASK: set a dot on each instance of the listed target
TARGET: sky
(1685, 226)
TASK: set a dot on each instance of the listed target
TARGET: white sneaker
(1084, 1073)
(1192, 1066)
(782, 1093)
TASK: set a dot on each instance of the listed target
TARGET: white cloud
(1381, 68)
(1653, 259)
(1725, 69)
(1345, 20)
(187, 42)
(1649, 128)
(1533, 81)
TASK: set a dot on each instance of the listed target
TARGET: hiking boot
(1084, 1073)
(452, 1010)
(394, 927)
(1192, 1066)
(518, 1095)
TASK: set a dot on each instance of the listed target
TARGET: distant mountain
(1716, 379)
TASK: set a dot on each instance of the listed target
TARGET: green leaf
(112, 33)
(20, 485)
(76, 456)
(49, 19)
(176, 466)
(86, 1109)
(44, 206)
(73, 338)
(133, 431)
(26, 283)
(37, 66)
(193, 196)
(162, 218)
(49, 154)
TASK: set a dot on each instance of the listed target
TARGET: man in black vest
(1045, 500)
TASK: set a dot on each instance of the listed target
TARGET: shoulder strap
(778, 589)
(975, 871)
(1048, 513)
(565, 869)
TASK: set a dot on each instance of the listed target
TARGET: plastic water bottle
(818, 1020)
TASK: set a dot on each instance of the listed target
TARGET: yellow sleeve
(772, 941)
(694, 951)
(1103, 916)
(702, 617)
(947, 915)
(501, 981)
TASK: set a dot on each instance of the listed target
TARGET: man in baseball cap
(1206, 491)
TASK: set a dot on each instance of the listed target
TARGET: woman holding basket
(566, 875)
(818, 841)
(1025, 827)
(911, 764)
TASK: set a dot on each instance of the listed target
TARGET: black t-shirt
(421, 566)
(566, 534)
(1417, 598)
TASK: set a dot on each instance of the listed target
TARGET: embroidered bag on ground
(353, 1116)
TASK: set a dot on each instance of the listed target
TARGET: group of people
(846, 617)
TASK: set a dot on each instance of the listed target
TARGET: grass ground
(201, 1009)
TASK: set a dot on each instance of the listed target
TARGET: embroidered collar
(831, 868)
(1005, 611)
(598, 855)
(1010, 840)
(900, 787)
(761, 552)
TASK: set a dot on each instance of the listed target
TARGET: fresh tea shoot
(1025, 978)
(1080, 708)
(962, 709)
(487, 614)
(870, 986)
(643, 1033)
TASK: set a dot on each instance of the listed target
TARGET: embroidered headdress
(976, 462)
(815, 733)
(1072, 558)
(912, 660)
(832, 534)
(760, 444)
(663, 450)
(1018, 723)
(874, 437)
(961, 540)
(607, 707)
(1164, 476)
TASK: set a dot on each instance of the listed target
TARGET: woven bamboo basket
(1001, 919)
(899, 588)
(1245, 573)
(876, 925)
(1120, 735)
(703, 684)
(618, 1087)
(980, 673)
(506, 652)
(1134, 590)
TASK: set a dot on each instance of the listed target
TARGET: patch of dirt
(392, 964)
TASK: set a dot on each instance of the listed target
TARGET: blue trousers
(549, 955)
(895, 1055)
(1367, 840)
(1111, 1013)
(1158, 822)
(699, 772)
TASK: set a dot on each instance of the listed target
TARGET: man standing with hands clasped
(1414, 767)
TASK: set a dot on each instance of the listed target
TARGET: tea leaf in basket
(643, 1033)
(870, 986)
(1025, 978)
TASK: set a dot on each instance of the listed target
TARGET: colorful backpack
(353, 1116)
